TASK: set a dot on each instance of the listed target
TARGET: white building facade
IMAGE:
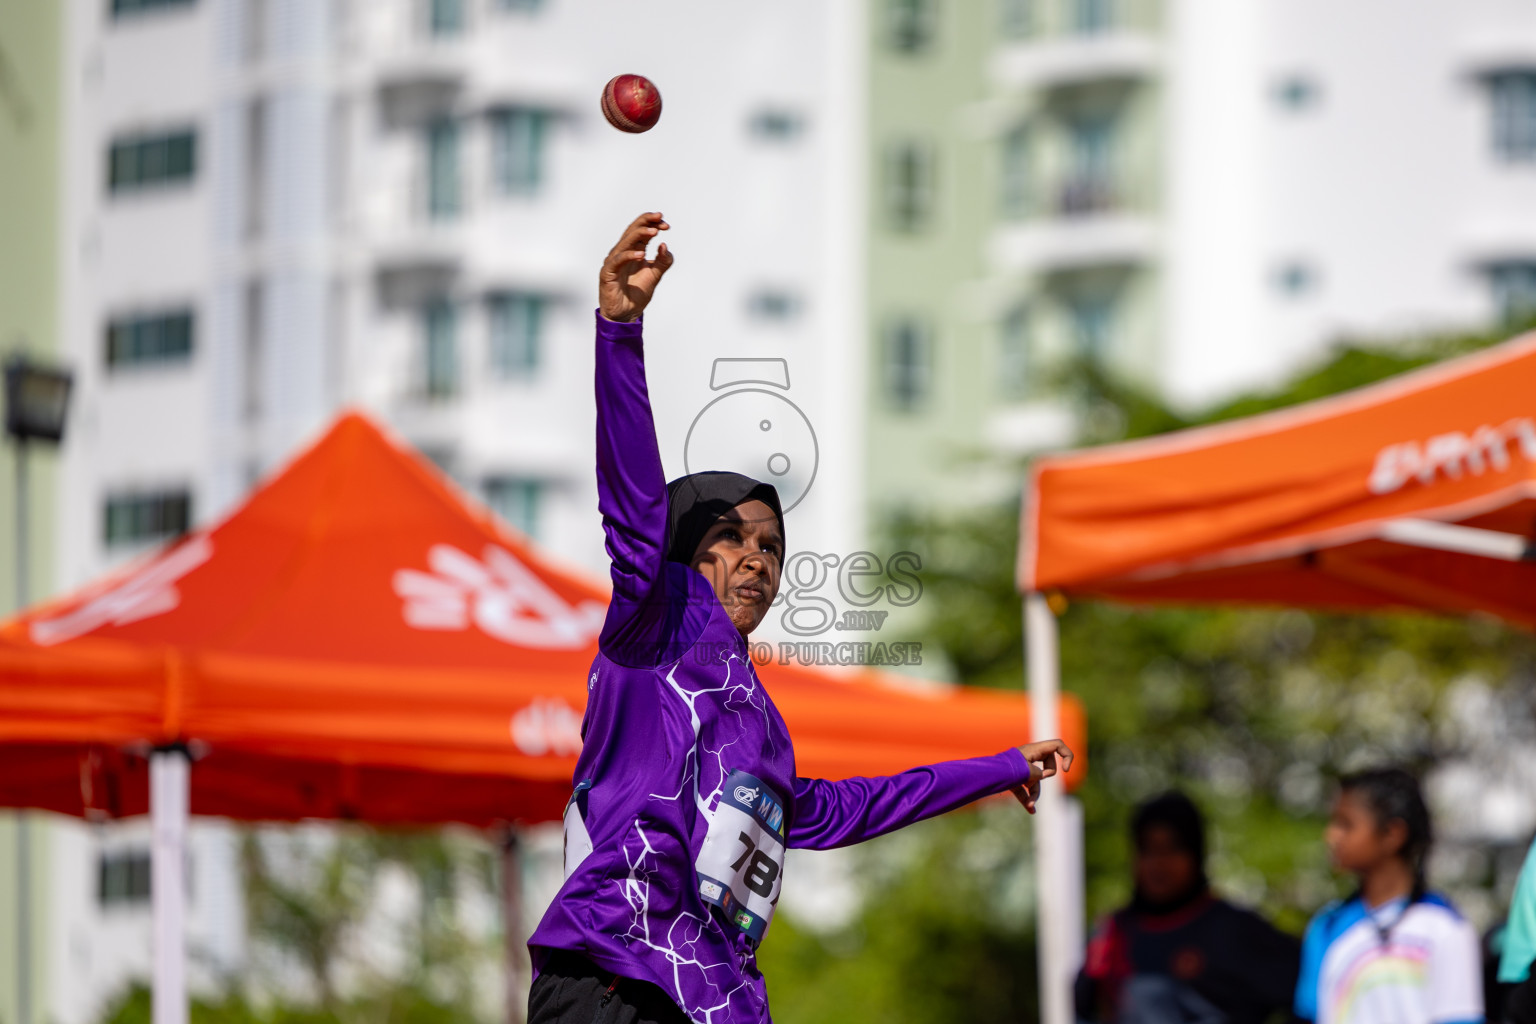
(1362, 170)
(278, 208)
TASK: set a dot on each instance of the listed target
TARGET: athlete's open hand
(628, 280)
(1044, 758)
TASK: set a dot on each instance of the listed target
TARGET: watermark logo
(754, 429)
(862, 581)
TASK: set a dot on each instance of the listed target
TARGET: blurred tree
(330, 946)
(387, 1004)
(1252, 711)
(314, 899)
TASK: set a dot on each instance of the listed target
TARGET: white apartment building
(276, 208)
(1342, 170)
(1203, 195)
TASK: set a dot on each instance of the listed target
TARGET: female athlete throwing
(686, 794)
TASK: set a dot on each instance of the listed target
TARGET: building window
(1015, 345)
(517, 329)
(1514, 290)
(252, 353)
(773, 305)
(1093, 321)
(516, 500)
(1514, 115)
(909, 185)
(1296, 93)
(255, 25)
(911, 24)
(443, 170)
(440, 362)
(1017, 18)
(446, 460)
(122, 878)
(143, 517)
(1090, 17)
(126, 8)
(445, 18)
(908, 363)
(152, 160)
(1295, 279)
(164, 337)
(255, 167)
(517, 150)
(776, 125)
(1089, 187)
(1016, 177)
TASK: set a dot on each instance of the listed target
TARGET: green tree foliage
(1251, 711)
(313, 897)
(386, 1004)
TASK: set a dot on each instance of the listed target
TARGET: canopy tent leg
(1059, 896)
(169, 784)
(516, 952)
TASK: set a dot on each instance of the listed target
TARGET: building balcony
(419, 77)
(416, 261)
(1030, 427)
(1122, 55)
(1082, 223)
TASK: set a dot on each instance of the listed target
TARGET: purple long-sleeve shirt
(680, 736)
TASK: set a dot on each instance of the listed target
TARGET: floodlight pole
(23, 826)
(169, 798)
(1057, 826)
(36, 402)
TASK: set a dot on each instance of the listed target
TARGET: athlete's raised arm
(631, 487)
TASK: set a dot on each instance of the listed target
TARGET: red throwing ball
(631, 103)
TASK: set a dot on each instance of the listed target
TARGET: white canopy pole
(515, 950)
(1058, 886)
(1463, 540)
(169, 785)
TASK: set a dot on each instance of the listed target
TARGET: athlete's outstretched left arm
(833, 814)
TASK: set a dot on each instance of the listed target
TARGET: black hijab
(1179, 815)
(695, 501)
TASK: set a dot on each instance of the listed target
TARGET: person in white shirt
(1394, 952)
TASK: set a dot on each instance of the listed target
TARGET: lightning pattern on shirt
(737, 694)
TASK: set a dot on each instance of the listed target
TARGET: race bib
(742, 860)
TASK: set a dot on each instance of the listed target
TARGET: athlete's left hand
(1043, 758)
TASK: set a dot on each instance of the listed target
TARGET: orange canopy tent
(1419, 493)
(358, 641)
(1416, 493)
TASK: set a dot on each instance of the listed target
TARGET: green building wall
(940, 454)
(30, 106)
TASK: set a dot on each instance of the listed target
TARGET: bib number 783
(742, 860)
(761, 873)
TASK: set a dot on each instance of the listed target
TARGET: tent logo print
(143, 596)
(499, 594)
(549, 726)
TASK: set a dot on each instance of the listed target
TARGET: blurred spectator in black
(1178, 954)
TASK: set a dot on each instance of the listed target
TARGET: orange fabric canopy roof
(1416, 493)
(358, 641)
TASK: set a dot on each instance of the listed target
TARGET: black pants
(573, 990)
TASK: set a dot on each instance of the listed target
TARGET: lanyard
(1384, 931)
